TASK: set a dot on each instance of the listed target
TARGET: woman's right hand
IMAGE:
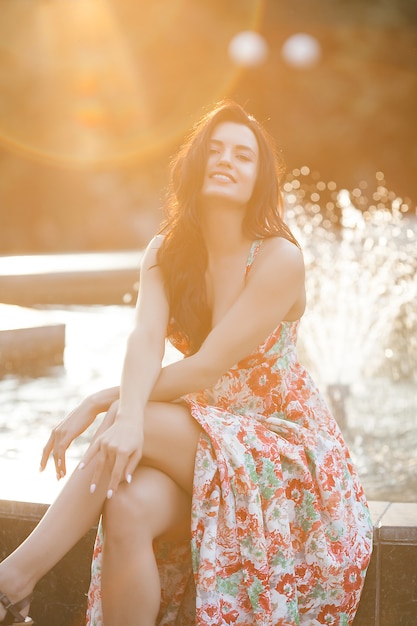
(62, 435)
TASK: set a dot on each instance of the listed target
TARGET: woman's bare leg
(132, 519)
(67, 520)
(171, 438)
(170, 442)
(149, 507)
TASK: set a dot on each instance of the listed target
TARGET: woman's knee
(148, 507)
(129, 509)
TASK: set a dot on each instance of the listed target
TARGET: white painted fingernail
(81, 465)
(92, 488)
(109, 494)
(59, 462)
(62, 473)
(129, 478)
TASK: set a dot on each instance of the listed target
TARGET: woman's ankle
(16, 586)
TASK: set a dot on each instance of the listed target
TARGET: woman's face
(232, 164)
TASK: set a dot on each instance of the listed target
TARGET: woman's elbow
(140, 340)
(208, 372)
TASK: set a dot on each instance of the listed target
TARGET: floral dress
(280, 529)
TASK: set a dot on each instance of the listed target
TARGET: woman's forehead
(235, 133)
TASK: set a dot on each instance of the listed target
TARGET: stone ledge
(30, 340)
(389, 597)
(89, 278)
(397, 524)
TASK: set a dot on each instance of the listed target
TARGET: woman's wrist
(129, 416)
(100, 401)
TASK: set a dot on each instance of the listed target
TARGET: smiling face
(232, 164)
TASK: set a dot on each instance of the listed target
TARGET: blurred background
(95, 98)
(96, 95)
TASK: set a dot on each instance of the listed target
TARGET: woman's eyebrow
(238, 146)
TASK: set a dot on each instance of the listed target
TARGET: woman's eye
(243, 157)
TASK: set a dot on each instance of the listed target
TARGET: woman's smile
(222, 177)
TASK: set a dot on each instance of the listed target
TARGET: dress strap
(254, 249)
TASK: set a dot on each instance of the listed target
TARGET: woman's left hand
(117, 450)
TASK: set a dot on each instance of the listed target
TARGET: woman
(234, 437)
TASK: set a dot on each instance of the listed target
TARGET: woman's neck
(223, 229)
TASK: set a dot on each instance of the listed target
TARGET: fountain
(361, 262)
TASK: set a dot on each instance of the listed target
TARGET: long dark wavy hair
(183, 255)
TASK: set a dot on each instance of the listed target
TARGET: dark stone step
(60, 597)
(389, 597)
(390, 594)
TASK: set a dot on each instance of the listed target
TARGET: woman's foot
(12, 611)
(16, 587)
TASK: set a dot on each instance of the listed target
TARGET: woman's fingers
(107, 422)
(46, 452)
(123, 468)
(76, 422)
(59, 459)
(100, 464)
(107, 460)
(55, 446)
(66, 431)
(132, 465)
(118, 473)
(115, 452)
(90, 454)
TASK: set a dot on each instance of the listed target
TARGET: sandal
(13, 616)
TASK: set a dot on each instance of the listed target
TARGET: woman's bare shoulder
(150, 257)
(156, 242)
(281, 271)
(281, 250)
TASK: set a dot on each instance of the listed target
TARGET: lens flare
(91, 83)
(248, 49)
(301, 50)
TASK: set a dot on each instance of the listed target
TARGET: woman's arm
(121, 444)
(75, 423)
(275, 284)
(143, 358)
(146, 343)
(142, 364)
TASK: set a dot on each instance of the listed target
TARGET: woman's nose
(225, 157)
